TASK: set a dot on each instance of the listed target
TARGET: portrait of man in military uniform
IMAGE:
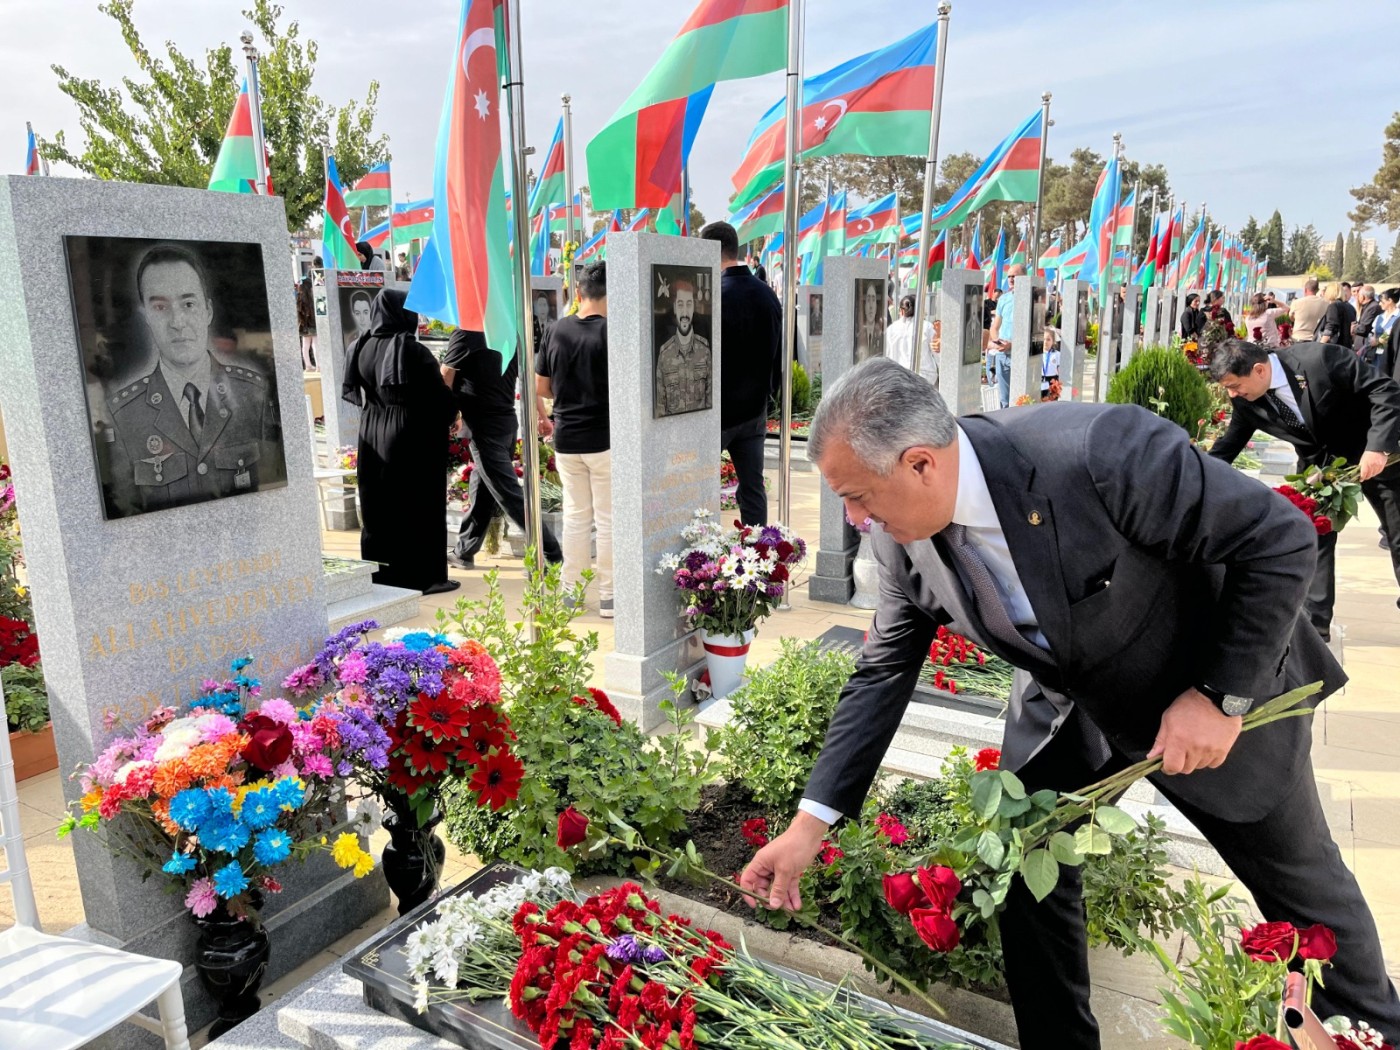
(189, 412)
(681, 315)
(870, 318)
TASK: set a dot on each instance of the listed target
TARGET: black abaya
(406, 412)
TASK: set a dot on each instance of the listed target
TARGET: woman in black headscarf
(1193, 319)
(406, 412)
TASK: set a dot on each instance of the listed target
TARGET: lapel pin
(1035, 518)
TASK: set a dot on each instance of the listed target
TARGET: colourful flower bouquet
(218, 797)
(347, 457)
(731, 578)
(613, 971)
(412, 712)
(459, 452)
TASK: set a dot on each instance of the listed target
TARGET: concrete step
(346, 578)
(382, 604)
(800, 462)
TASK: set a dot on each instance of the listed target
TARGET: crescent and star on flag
(821, 123)
(474, 42)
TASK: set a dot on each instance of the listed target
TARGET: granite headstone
(1128, 343)
(1027, 337)
(960, 356)
(1074, 329)
(811, 326)
(134, 611)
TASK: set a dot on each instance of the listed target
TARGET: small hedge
(1160, 374)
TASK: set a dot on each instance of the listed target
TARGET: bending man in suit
(1328, 403)
(1148, 596)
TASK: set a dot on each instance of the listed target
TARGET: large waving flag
(829, 238)
(1168, 242)
(1072, 260)
(974, 250)
(996, 277)
(1147, 272)
(465, 275)
(1125, 221)
(937, 257)
(413, 219)
(1050, 261)
(636, 161)
(1098, 264)
(876, 223)
(539, 242)
(761, 216)
(1008, 174)
(1018, 257)
(372, 191)
(549, 186)
(235, 168)
(337, 236)
(1188, 266)
(875, 105)
(31, 155)
(558, 213)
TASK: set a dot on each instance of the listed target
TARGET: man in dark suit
(751, 372)
(1328, 403)
(1148, 596)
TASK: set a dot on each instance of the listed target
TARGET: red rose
(1262, 1042)
(903, 894)
(941, 884)
(1286, 490)
(269, 742)
(1270, 941)
(1317, 942)
(1323, 524)
(935, 929)
(987, 758)
(573, 828)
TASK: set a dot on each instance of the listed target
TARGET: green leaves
(1062, 848)
(991, 849)
(1113, 820)
(1041, 872)
(1091, 840)
(986, 794)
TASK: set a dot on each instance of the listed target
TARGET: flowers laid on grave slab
(1330, 496)
(217, 797)
(958, 665)
(613, 970)
(730, 578)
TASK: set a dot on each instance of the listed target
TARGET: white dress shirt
(899, 347)
(1278, 383)
(974, 510)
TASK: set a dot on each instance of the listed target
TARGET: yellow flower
(364, 865)
(346, 851)
(91, 799)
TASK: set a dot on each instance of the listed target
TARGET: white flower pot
(865, 572)
(725, 658)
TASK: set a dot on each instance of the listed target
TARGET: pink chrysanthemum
(279, 710)
(317, 765)
(201, 900)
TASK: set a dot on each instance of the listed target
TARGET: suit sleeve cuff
(825, 814)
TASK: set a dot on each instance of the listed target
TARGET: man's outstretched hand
(776, 870)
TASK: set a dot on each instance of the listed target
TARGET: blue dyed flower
(190, 808)
(417, 641)
(290, 793)
(624, 950)
(261, 807)
(220, 801)
(272, 847)
(179, 864)
(229, 881)
(654, 954)
(240, 663)
(225, 836)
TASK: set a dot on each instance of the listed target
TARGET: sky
(1228, 94)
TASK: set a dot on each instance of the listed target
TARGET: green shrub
(574, 753)
(26, 697)
(801, 390)
(1161, 380)
(780, 717)
(1126, 892)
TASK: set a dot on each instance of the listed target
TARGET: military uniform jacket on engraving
(683, 376)
(156, 461)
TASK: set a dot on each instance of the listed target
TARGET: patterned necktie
(196, 417)
(989, 605)
(1286, 416)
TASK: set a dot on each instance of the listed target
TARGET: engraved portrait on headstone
(1037, 319)
(814, 315)
(357, 289)
(972, 324)
(1082, 313)
(177, 353)
(684, 361)
(870, 319)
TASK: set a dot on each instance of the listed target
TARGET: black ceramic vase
(413, 858)
(231, 958)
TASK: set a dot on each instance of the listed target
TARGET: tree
(1334, 260)
(1069, 193)
(167, 129)
(1379, 200)
(1303, 251)
(1393, 266)
(1249, 234)
(1271, 243)
(1352, 262)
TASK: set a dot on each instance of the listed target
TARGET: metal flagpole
(1033, 256)
(393, 247)
(1108, 353)
(930, 179)
(514, 90)
(791, 173)
(250, 57)
(683, 219)
(567, 100)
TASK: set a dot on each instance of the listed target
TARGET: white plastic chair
(57, 993)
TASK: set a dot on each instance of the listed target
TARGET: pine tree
(1338, 251)
(1351, 257)
(1271, 242)
(1249, 234)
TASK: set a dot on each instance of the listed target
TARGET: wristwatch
(1233, 706)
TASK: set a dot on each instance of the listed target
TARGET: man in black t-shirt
(572, 368)
(486, 398)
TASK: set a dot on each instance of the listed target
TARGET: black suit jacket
(1349, 407)
(751, 341)
(1151, 568)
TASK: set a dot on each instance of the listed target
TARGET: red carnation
(987, 758)
(1286, 490)
(497, 780)
(1270, 941)
(831, 854)
(935, 928)
(269, 742)
(573, 828)
(1317, 942)
(600, 702)
(903, 894)
(891, 828)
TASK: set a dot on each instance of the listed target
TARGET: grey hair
(880, 408)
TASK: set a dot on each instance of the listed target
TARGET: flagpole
(1033, 260)
(393, 248)
(514, 91)
(567, 100)
(930, 178)
(791, 174)
(250, 61)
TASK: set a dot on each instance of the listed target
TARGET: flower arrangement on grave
(218, 797)
(459, 452)
(956, 665)
(614, 970)
(1330, 496)
(347, 457)
(730, 578)
(551, 488)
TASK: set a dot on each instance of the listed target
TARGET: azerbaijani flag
(830, 237)
(1103, 212)
(376, 236)
(1072, 261)
(31, 155)
(465, 275)
(761, 216)
(550, 184)
(937, 257)
(1125, 220)
(235, 168)
(638, 221)
(1169, 242)
(558, 213)
(974, 250)
(1051, 259)
(997, 264)
(1009, 173)
(875, 105)
(337, 238)
(636, 161)
(372, 191)
(1147, 272)
(413, 219)
(1018, 257)
(1188, 265)
(539, 242)
(876, 223)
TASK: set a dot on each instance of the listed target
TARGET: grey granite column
(960, 358)
(1074, 328)
(1129, 344)
(1027, 337)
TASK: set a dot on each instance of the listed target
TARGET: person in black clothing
(1367, 310)
(486, 397)
(1336, 326)
(1193, 319)
(751, 369)
(1216, 311)
(1328, 404)
(406, 412)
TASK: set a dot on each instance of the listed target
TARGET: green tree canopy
(1379, 200)
(167, 127)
